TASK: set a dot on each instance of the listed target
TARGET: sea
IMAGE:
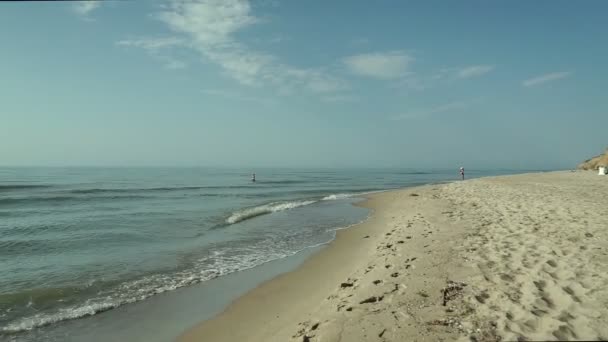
(82, 241)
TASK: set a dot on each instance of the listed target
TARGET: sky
(286, 83)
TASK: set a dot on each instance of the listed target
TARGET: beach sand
(520, 257)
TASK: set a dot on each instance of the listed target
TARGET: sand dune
(595, 162)
(505, 258)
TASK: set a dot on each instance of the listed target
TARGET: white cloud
(387, 65)
(152, 43)
(211, 22)
(448, 107)
(474, 71)
(554, 76)
(443, 76)
(158, 48)
(209, 27)
(84, 8)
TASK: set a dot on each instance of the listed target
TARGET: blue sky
(484, 84)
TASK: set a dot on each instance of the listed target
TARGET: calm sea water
(78, 241)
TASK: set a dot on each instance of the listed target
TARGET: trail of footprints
(390, 248)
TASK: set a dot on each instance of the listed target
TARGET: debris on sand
(372, 299)
(451, 290)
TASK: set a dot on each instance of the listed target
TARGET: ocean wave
(160, 189)
(218, 264)
(283, 182)
(17, 200)
(22, 186)
(41, 320)
(325, 191)
(51, 199)
(334, 197)
(415, 173)
(121, 190)
(105, 296)
(249, 213)
(342, 196)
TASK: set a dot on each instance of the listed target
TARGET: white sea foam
(248, 213)
(223, 262)
(218, 263)
(334, 197)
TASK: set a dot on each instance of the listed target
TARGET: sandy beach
(501, 258)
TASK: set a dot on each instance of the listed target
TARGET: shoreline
(335, 262)
(390, 276)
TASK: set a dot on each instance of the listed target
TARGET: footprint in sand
(507, 277)
(552, 263)
(482, 297)
(571, 293)
(564, 333)
(372, 299)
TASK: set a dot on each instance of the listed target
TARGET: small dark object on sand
(372, 299)
(452, 290)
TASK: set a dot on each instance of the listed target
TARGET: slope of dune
(593, 163)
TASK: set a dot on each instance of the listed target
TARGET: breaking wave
(334, 197)
(248, 213)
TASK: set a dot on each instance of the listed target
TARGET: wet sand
(514, 258)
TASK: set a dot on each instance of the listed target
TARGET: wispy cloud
(158, 48)
(209, 28)
(84, 8)
(448, 107)
(380, 65)
(554, 76)
(152, 43)
(474, 71)
(418, 81)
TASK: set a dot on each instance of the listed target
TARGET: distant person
(462, 172)
(253, 177)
